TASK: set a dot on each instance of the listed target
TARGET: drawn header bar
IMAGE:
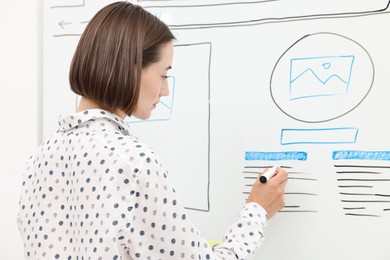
(198, 14)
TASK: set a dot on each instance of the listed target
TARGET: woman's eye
(164, 77)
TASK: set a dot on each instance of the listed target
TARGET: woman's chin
(142, 116)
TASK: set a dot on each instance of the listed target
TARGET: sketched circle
(321, 77)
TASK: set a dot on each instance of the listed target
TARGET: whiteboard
(301, 84)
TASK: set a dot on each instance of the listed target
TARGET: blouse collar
(87, 117)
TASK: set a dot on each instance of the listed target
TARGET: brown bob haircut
(119, 41)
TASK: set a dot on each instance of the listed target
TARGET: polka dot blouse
(93, 191)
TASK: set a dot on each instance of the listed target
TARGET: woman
(93, 190)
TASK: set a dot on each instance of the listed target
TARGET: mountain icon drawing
(320, 76)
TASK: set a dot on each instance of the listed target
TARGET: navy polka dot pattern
(93, 191)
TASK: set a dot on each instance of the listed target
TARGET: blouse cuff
(244, 237)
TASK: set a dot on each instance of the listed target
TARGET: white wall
(18, 111)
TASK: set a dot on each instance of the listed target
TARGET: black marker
(268, 174)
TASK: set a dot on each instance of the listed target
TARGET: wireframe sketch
(320, 72)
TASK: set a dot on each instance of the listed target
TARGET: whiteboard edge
(40, 72)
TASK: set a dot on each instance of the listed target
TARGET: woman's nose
(164, 88)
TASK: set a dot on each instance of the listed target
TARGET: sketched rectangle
(275, 156)
(179, 134)
(324, 81)
(345, 135)
(219, 13)
(361, 155)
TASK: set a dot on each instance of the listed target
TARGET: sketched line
(258, 167)
(300, 193)
(208, 5)
(257, 22)
(354, 208)
(250, 178)
(367, 201)
(361, 166)
(67, 34)
(266, 166)
(68, 6)
(165, 105)
(364, 194)
(298, 173)
(355, 186)
(315, 75)
(361, 215)
(287, 193)
(257, 172)
(304, 179)
(369, 172)
(386, 209)
(63, 23)
(299, 211)
(197, 209)
(292, 206)
(363, 179)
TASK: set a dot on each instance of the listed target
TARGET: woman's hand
(270, 195)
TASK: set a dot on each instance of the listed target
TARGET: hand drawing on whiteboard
(277, 68)
(302, 193)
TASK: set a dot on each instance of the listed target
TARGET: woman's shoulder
(129, 148)
(127, 143)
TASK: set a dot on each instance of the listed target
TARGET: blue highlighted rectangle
(275, 156)
(361, 155)
(341, 135)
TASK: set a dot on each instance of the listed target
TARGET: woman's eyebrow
(168, 68)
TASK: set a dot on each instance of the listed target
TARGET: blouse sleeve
(244, 237)
(156, 225)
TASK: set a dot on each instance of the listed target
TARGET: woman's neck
(86, 104)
